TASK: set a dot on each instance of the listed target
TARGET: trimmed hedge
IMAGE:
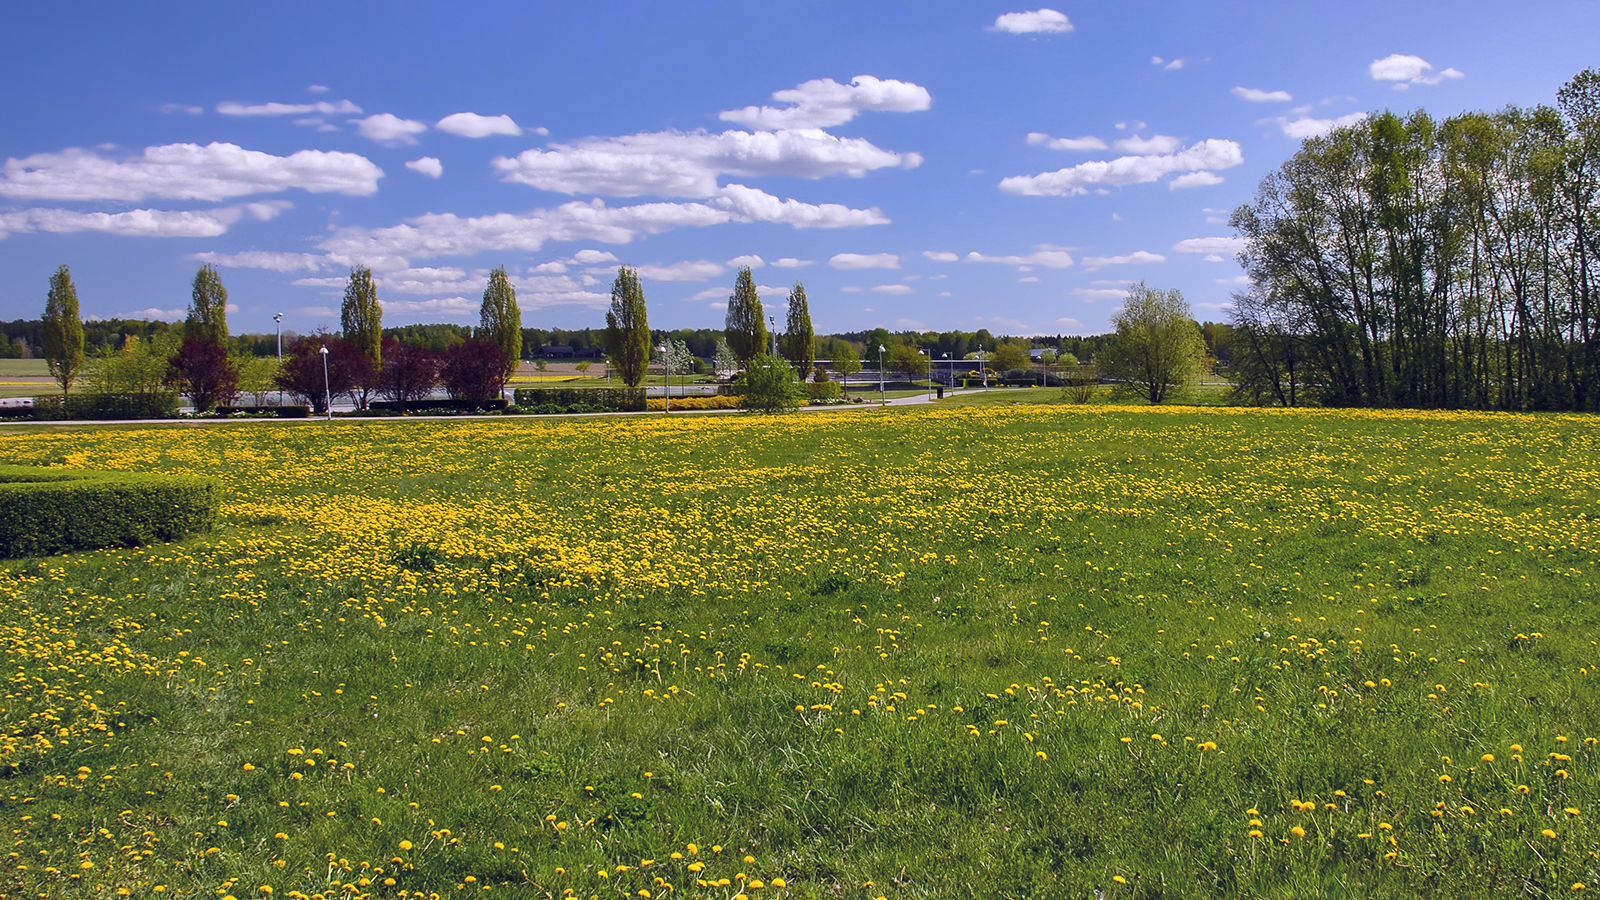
(48, 511)
(595, 399)
(92, 406)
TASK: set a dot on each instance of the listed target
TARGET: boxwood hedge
(49, 511)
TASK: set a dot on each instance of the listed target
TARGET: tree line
(1408, 261)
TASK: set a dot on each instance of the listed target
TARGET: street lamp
(327, 387)
(772, 329)
(950, 372)
(666, 369)
(929, 355)
(279, 320)
(882, 397)
(981, 370)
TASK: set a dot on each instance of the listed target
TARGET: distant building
(556, 351)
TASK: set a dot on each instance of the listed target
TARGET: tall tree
(63, 331)
(208, 308)
(723, 359)
(500, 321)
(799, 339)
(1157, 349)
(361, 318)
(845, 362)
(628, 328)
(746, 322)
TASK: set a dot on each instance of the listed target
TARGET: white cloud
(318, 88)
(1029, 279)
(1137, 257)
(864, 261)
(446, 234)
(444, 306)
(137, 222)
(593, 257)
(1211, 245)
(342, 108)
(940, 255)
(153, 313)
(472, 125)
(427, 165)
(262, 259)
(688, 164)
(1256, 95)
(390, 129)
(185, 172)
(851, 289)
(315, 312)
(1408, 70)
(1090, 142)
(789, 262)
(1308, 127)
(1169, 65)
(824, 103)
(1039, 21)
(1069, 322)
(1125, 170)
(893, 289)
(1194, 180)
(1090, 295)
(1158, 143)
(698, 270)
(1237, 279)
(749, 259)
(182, 108)
(1050, 258)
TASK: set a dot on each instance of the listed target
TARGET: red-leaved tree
(410, 372)
(202, 371)
(302, 373)
(474, 371)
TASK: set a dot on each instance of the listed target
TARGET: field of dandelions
(1030, 652)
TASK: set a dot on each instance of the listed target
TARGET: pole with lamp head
(327, 386)
(772, 329)
(278, 320)
(929, 355)
(666, 370)
(882, 397)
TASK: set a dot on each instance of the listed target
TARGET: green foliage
(746, 321)
(908, 359)
(44, 512)
(1011, 355)
(823, 390)
(724, 360)
(93, 406)
(361, 315)
(593, 399)
(500, 320)
(799, 341)
(208, 308)
(771, 385)
(1157, 350)
(63, 330)
(137, 367)
(628, 328)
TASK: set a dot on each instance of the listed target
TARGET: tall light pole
(278, 319)
(882, 397)
(981, 370)
(666, 370)
(327, 386)
(950, 372)
(929, 355)
(772, 329)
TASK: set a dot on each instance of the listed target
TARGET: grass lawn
(1039, 651)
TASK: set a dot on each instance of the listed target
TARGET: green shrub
(48, 511)
(95, 405)
(595, 399)
(823, 390)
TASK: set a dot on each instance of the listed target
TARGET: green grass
(924, 653)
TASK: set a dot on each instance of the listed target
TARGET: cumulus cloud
(698, 270)
(1049, 257)
(749, 259)
(341, 108)
(1137, 257)
(1039, 21)
(1157, 143)
(138, 222)
(1211, 245)
(472, 125)
(446, 234)
(789, 262)
(318, 88)
(688, 164)
(824, 103)
(1169, 65)
(444, 306)
(262, 259)
(893, 289)
(1028, 279)
(1037, 139)
(182, 108)
(1407, 70)
(387, 128)
(940, 255)
(1194, 180)
(1125, 170)
(1308, 127)
(1256, 95)
(427, 165)
(849, 261)
(1090, 295)
(593, 257)
(185, 172)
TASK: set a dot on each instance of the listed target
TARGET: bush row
(595, 399)
(48, 511)
(95, 405)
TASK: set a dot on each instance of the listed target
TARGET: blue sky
(916, 165)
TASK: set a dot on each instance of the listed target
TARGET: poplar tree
(361, 319)
(628, 328)
(63, 331)
(799, 339)
(746, 323)
(208, 308)
(500, 321)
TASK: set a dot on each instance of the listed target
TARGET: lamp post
(882, 396)
(666, 370)
(981, 370)
(278, 320)
(950, 372)
(929, 355)
(772, 329)
(327, 386)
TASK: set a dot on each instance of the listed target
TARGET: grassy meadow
(1065, 651)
